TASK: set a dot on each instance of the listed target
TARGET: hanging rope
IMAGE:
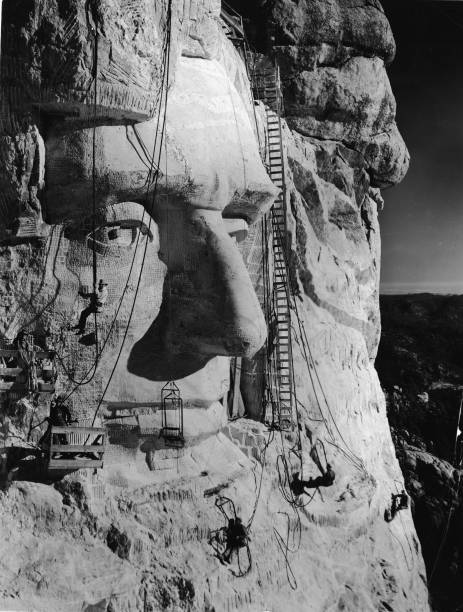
(153, 170)
(94, 257)
(165, 80)
(310, 361)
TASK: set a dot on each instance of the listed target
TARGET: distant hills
(422, 340)
(420, 366)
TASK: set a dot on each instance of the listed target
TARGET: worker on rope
(236, 538)
(459, 450)
(97, 301)
(327, 478)
(399, 501)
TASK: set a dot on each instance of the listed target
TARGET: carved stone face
(175, 277)
(209, 307)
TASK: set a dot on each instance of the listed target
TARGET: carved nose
(209, 307)
(216, 312)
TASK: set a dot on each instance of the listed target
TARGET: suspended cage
(172, 415)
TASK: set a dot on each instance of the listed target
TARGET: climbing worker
(236, 536)
(325, 480)
(402, 500)
(399, 501)
(459, 450)
(97, 301)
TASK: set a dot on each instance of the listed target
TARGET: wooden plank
(8, 353)
(7, 386)
(73, 464)
(15, 353)
(46, 387)
(78, 430)
(10, 371)
(71, 448)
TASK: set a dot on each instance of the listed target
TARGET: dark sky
(422, 221)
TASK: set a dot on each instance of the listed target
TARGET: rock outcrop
(139, 535)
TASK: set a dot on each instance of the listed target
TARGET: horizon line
(445, 288)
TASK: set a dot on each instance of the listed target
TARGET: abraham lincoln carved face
(141, 186)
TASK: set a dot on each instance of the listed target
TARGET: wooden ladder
(279, 413)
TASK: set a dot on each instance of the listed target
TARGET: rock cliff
(82, 92)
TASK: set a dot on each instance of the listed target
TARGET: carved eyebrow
(129, 214)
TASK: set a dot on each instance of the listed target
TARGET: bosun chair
(218, 539)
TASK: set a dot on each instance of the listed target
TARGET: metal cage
(172, 415)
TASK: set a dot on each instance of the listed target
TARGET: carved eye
(121, 235)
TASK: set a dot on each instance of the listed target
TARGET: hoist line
(251, 78)
(263, 455)
(113, 322)
(92, 370)
(156, 180)
(409, 567)
(306, 348)
(403, 526)
(284, 547)
(94, 257)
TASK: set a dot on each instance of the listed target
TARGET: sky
(422, 220)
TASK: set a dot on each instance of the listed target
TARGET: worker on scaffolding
(97, 300)
(60, 416)
(327, 478)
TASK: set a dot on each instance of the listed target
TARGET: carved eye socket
(121, 235)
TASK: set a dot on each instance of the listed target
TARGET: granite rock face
(333, 57)
(137, 535)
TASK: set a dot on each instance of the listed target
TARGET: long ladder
(279, 411)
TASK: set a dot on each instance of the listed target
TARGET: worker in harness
(399, 501)
(236, 537)
(325, 480)
(97, 301)
(459, 451)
